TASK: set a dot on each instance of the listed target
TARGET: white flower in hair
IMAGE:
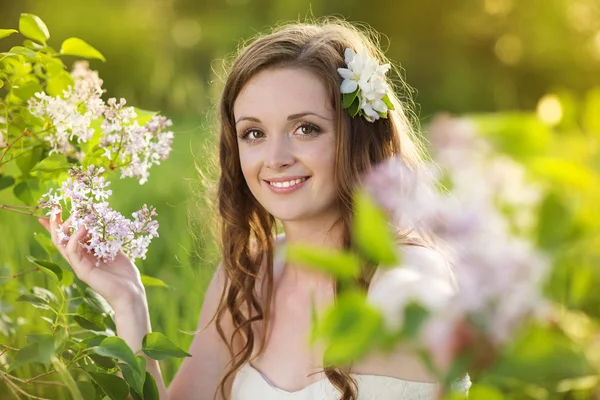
(364, 88)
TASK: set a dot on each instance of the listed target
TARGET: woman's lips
(286, 185)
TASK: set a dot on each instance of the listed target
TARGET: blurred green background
(461, 56)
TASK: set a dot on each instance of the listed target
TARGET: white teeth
(287, 184)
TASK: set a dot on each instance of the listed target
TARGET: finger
(73, 251)
(55, 222)
(67, 224)
(45, 223)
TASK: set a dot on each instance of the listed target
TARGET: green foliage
(52, 326)
(372, 232)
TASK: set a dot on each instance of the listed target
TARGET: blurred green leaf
(372, 232)
(20, 50)
(58, 83)
(33, 27)
(340, 264)
(543, 356)
(29, 160)
(350, 328)
(76, 47)
(27, 90)
(87, 389)
(554, 222)
(565, 172)
(34, 300)
(149, 281)
(520, 135)
(113, 386)
(55, 162)
(158, 347)
(88, 318)
(6, 181)
(7, 32)
(26, 191)
(44, 240)
(47, 265)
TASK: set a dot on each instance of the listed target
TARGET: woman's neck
(323, 233)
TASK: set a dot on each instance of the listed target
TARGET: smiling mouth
(287, 184)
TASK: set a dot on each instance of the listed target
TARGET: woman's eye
(253, 134)
(307, 129)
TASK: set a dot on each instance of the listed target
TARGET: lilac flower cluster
(498, 273)
(85, 193)
(136, 148)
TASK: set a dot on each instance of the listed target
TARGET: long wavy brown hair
(247, 230)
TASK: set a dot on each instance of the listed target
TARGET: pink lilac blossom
(139, 147)
(499, 274)
(85, 191)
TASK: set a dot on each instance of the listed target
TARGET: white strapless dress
(251, 384)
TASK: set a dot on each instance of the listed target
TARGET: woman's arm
(200, 374)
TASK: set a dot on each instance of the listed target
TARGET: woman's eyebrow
(303, 114)
(290, 117)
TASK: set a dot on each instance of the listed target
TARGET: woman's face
(286, 136)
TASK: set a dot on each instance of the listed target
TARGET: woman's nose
(279, 153)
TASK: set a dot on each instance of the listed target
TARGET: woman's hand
(118, 281)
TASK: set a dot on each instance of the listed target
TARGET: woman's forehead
(283, 90)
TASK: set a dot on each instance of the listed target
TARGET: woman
(289, 152)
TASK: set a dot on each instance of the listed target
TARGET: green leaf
(388, 103)
(116, 347)
(58, 83)
(77, 47)
(354, 108)
(149, 281)
(48, 265)
(348, 98)
(33, 27)
(372, 231)
(34, 300)
(26, 191)
(55, 162)
(46, 243)
(88, 318)
(26, 355)
(7, 32)
(340, 264)
(135, 377)
(150, 388)
(6, 181)
(27, 90)
(104, 362)
(158, 347)
(87, 389)
(350, 328)
(46, 348)
(96, 302)
(27, 161)
(113, 386)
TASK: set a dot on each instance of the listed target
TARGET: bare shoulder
(425, 261)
